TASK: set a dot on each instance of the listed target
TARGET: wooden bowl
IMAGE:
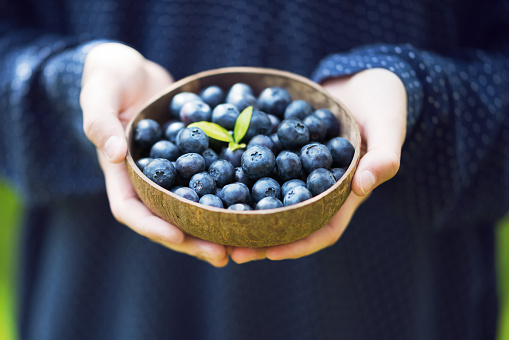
(257, 228)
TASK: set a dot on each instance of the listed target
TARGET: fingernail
(367, 181)
(111, 147)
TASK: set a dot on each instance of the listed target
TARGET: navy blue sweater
(416, 262)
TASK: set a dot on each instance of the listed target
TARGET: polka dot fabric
(417, 260)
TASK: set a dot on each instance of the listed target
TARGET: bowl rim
(249, 70)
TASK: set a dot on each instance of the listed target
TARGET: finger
(99, 101)
(129, 210)
(323, 238)
(243, 255)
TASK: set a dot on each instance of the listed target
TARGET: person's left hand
(378, 101)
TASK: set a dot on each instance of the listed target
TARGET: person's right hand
(117, 81)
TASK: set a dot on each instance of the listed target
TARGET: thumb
(382, 160)
(100, 102)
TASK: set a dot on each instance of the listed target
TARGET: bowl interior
(256, 228)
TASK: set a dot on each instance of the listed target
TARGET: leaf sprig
(216, 131)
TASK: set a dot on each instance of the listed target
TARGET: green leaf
(234, 146)
(214, 131)
(242, 124)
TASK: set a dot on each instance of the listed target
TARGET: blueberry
(162, 172)
(165, 149)
(240, 176)
(222, 171)
(147, 132)
(190, 164)
(274, 100)
(192, 140)
(342, 151)
(296, 195)
(292, 133)
(275, 121)
(175, 188)
(265, 187)
(320, 180)
(277, 144)
(210, 157)
(261, 140)
(225, 115)
(317, 128)
(239, 89)
(142, 162)
(187, 193)
(234, 157)
(212, 201)
(299, 109)
(314, 156)
(288, 165)
(260, 125)
(330, 120)
(240, 207)
(202, 183)
(268, 203)
(241, 101)
(195, 111)
(338, 173)
(179, 100)
(235, 193)
(212, 95)
(289, 185)
(258, 162)
(172, 131)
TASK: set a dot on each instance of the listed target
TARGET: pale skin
(118, 81)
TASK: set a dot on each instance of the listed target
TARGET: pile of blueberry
(290, 152)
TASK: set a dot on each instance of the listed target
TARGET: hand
(117, 82)
(377, 99)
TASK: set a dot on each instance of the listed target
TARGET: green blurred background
(10, 212)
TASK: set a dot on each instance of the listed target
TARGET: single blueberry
(235, 193)
(241, 101)
(195, 111)
(190, 164)
(289, 185)
(162, 172)
(240, 207)
(146, 133)
(239, 89)
(202, 183)
(292, 133)
(320, 180)
(261, 140)
(165, 149)
(296, 195)
(212, 95)
(317, 128)
(338, 173)
(179, 100)
(299, 109)
(277, 144)
(187, 193)
(275, 121)
(268, 203)
(222, 171)
(265, 187)
(210, 157)
(142, 162)
(314, 156)
(260, 124)
(212, 201)
(172, 131)
(330, 120)
(258, 162)
(192, 140)
(225, 115)
(274, 100)
(232, 156)
(342, 151)
(288, 165)
(240, 176)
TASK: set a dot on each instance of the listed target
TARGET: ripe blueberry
(225, 115)
(179, 100)
(187, 193)
(292, 133)
(299, 109)
(288, 165)
(258, 162)
(268, 203)
(222, 171)
(162, 172)
(202, 183)
(211, 200)
(296, 195)
(192, 140)
(235, 193)
(330, 121)
(274, 100)
(212, 95)
(147, 132)
(265, 187)
(320, 180)
(165, 149)
(190, 164)
(314, 156)
(195, 111)
(342, 151)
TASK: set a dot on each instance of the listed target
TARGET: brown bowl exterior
(257, 228)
